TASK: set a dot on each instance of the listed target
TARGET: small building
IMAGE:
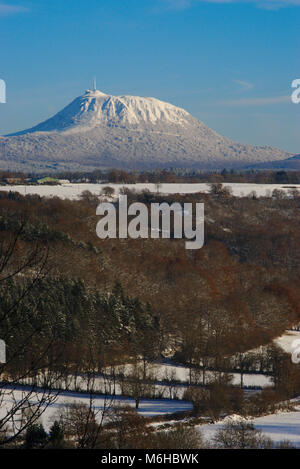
(13, 180)
(48, 180)
(64, 181)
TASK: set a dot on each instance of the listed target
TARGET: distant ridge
(290, 164)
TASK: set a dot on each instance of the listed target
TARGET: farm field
(73, 191)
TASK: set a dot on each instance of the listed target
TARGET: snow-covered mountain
(100, 130)
(95, 109)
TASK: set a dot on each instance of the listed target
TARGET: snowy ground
(286, 340)
(289, 342)
(181, 373)
(160, 390)
(171, 372)
(73, 191)
(278, 427)
(147, 408)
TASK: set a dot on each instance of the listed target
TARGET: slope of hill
(291, 164)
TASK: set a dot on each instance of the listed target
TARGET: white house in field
(64, 181)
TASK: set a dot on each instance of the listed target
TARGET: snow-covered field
(181, 373)
(170, 372)
(160, 373)
(280, 426)
(73, 191)
(286, 340)
(147, 408)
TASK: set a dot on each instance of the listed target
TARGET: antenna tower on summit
(95, 84)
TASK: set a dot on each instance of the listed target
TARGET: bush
(198, 396)
(35, 437)
(241, 435)
(182, 437)
(108, 191)
(56, 435)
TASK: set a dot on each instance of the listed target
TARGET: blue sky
(228, 62)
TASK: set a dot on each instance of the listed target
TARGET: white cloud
(256, 101)
(10, 9)
(267, 4)
(244, 84)
(163, 5)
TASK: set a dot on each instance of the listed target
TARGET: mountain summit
(94, 109)
(101, 130)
